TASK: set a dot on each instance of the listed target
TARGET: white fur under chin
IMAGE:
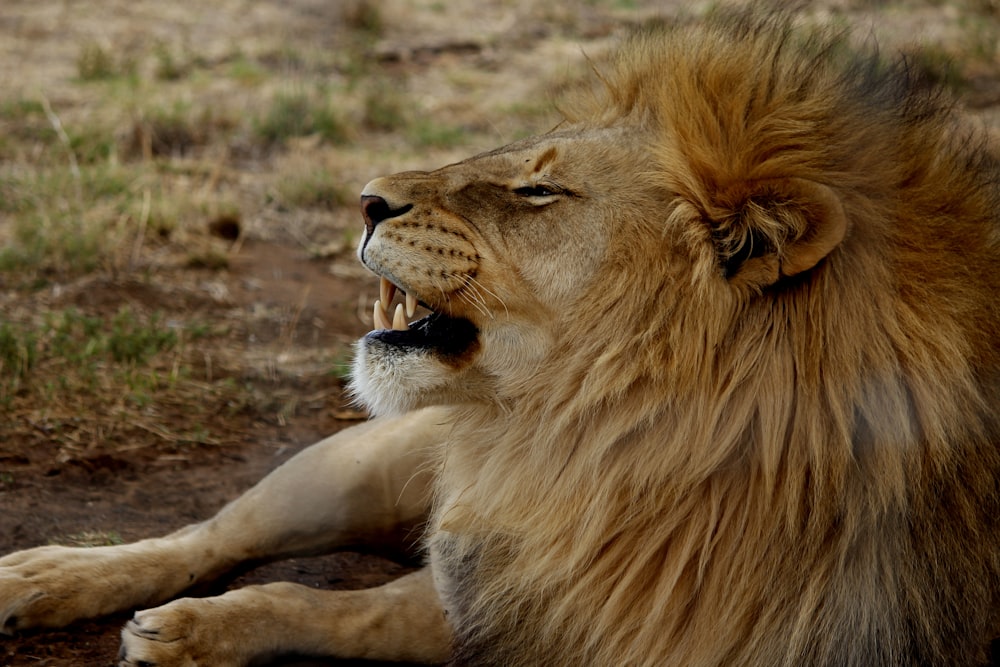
(388, 381)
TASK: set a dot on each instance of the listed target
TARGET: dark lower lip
(450, 336)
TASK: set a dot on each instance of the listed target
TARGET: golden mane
(739, 471)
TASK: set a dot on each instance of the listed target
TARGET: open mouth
(438, 332)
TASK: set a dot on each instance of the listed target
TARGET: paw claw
(135, 627)
(8, 628)
(123, 660)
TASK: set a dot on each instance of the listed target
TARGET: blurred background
(178, 217)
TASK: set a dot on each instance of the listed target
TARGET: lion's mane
(732, 465)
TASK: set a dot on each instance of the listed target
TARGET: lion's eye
(535, 191)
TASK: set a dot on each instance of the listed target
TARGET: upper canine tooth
(380, 317)
(386, 290)
(411, 304)
(399, 319)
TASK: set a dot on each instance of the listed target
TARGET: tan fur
(792, 464)
(731, 399)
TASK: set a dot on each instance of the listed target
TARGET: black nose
(376, 210)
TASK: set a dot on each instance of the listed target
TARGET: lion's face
(500, 247)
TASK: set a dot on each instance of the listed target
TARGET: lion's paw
(42, 587)
(185, 633)
(53, 586)
(21, 603)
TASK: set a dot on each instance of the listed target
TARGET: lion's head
(505, 249)
(739, 314)
(526, 253)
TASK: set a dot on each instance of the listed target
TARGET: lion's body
(710, 473)
(721, 374)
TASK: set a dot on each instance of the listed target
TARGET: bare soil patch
(155, 483)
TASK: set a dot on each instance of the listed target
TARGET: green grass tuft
(428, 133)
(18, 351)
(94, 63)
(78, 350)
(298, 115)
(317, 188)
(384, 107)
(132, 341)
(168, 66)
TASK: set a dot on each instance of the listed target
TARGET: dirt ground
(153, 486)
(288, 297)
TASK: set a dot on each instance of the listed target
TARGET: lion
(710, 377)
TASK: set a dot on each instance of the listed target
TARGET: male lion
(711, 378)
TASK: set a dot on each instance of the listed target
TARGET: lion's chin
(396, 371)
(444, 336)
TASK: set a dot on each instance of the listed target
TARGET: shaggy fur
(771, 436)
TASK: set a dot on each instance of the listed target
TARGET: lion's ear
(778, 228)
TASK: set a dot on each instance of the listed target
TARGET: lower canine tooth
(399, 319)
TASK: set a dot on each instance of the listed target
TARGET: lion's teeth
(380, 317)
(386, 290)
(399, 319)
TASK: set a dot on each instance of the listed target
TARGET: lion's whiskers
(471, 295)
(475, 284)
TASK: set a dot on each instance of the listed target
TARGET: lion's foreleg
(367, 484)
(364, 487)
(400, 621)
